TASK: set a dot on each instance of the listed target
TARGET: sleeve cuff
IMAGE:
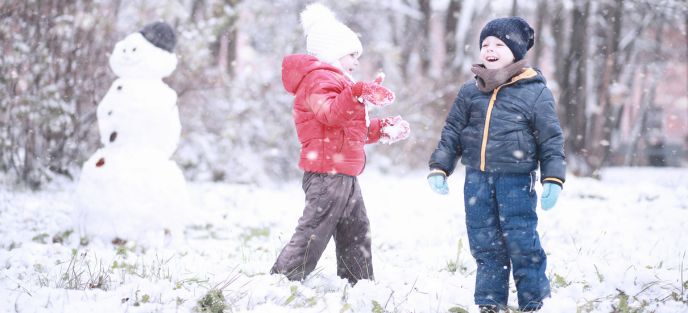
(435, 172)
(554, 180)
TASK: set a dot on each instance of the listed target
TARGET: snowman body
(130, 189)
(140, 113)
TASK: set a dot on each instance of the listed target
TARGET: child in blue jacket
(503, 126)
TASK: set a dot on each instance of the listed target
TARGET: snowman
(130, 189)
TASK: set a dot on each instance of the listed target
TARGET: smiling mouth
(492, 59)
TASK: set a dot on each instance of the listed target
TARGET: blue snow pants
(501, 223)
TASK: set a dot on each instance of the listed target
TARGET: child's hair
(326, 37)
(513, 31)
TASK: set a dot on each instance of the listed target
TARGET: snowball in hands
(394, 129)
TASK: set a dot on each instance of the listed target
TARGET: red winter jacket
(330, 123)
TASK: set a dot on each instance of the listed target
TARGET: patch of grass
(681, 294)
(457, 264)
(129, 268)
(294, 301)
(345, 307)
(157, 268)
(255, 232)
(145, 298)
(212, 302)
(205, 231)
(458, 309)
(40, 238)
(588, 306)
(292, 296)
(121, 251)
(82, 272)
(188, 281)
(560, 282)
(622, 305)
(218, 299)
(377, 308)
(345, 298)
(63, 236)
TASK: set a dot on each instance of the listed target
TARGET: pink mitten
(372, 93)
(394, 129)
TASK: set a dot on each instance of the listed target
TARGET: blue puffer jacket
(509, 130)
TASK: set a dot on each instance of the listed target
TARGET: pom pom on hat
(513, 31)
(326, 37)
(161, 35)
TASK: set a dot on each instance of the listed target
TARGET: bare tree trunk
(604, 121)
(514, 8)
(409, 34)
(652, 74)
(539, 22)
(562, 64)
(425, 48)
(628, 56)
(573, 89)
(450, 24)
(224, 49)
(29, 148)
(197, 10)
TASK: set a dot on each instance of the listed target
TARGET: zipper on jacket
(528, 73)
(486, 129)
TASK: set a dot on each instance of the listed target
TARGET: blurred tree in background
(618, 67)
(52, 72)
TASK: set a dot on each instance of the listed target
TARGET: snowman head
(145, 54)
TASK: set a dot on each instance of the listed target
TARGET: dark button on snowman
(130, 189)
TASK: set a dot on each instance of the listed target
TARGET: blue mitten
(550, 193)
(438, 182)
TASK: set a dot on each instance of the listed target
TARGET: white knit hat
(326, 37)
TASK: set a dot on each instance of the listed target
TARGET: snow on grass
(613, 245)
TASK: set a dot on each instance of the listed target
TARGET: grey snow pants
(334, 207)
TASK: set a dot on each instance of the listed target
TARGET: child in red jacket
(332, 123)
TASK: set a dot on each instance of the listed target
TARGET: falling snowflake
(312, 155)
(518, 154)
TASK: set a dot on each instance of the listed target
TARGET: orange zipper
(528, 73)
(486, 130)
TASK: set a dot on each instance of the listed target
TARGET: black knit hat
(513, 31)
(160, 34)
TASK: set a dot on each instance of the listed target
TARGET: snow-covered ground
(615, 245)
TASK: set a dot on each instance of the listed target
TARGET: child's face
(495, 54)
(349, 62)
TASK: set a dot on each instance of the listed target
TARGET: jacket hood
(530, 74)
(296, 67)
